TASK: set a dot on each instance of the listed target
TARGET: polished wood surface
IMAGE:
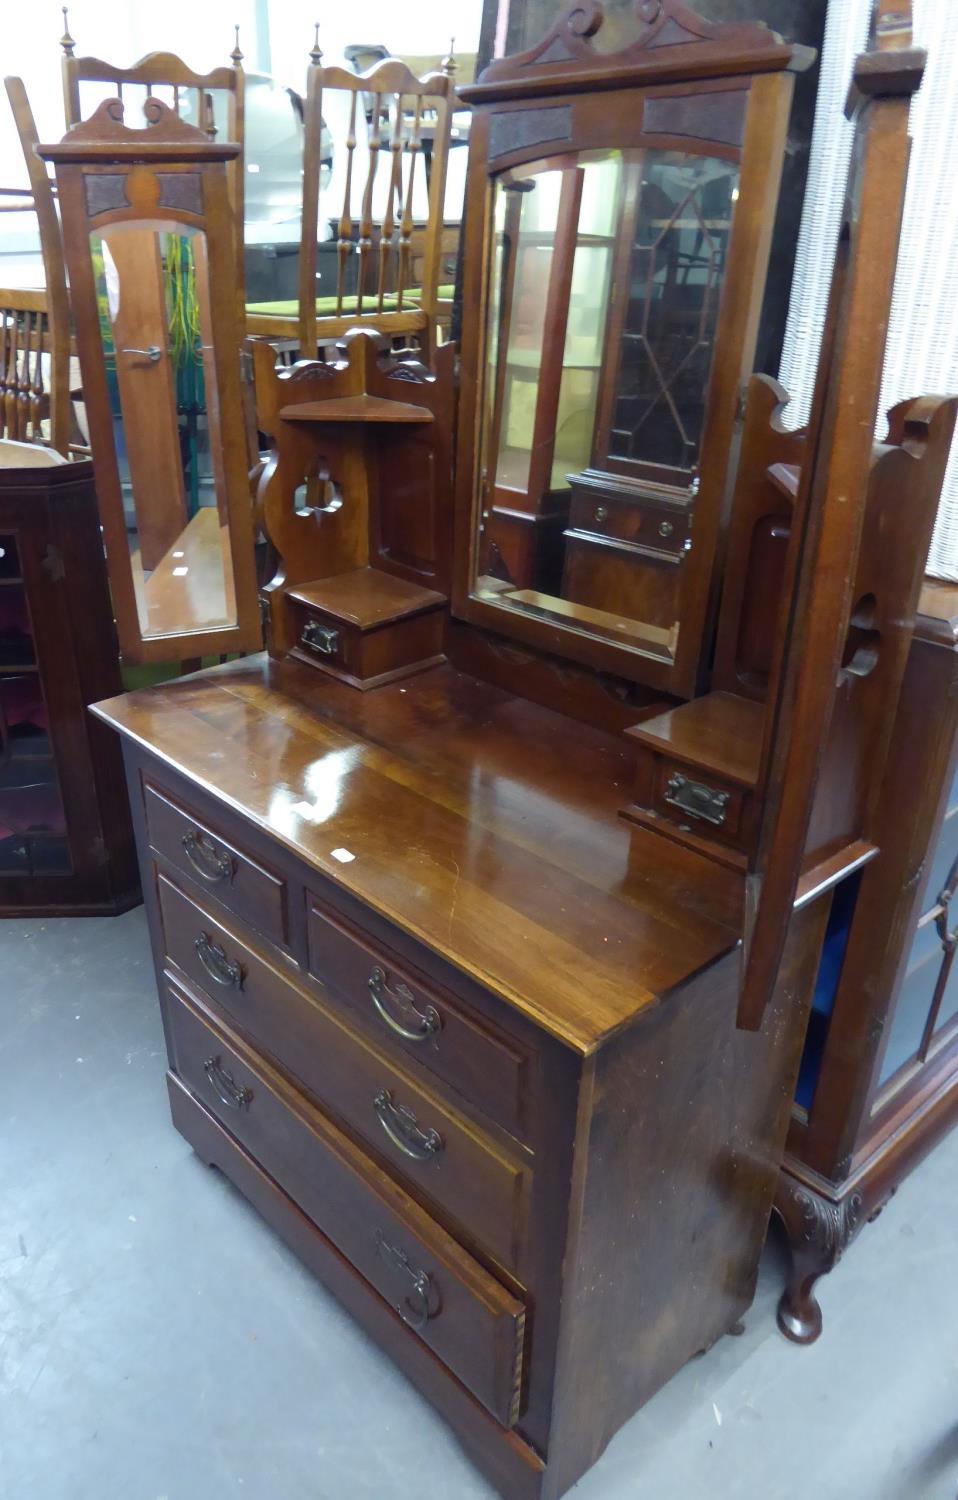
(720, 732)
(400, 779)
(367, 597)
(356, 409)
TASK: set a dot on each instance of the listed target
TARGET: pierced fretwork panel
(681, 210)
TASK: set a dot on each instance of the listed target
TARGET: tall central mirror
(620, 241)
(605, 286)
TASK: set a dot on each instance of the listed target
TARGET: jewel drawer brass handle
(421, 1304)
(321, 638)
(225, 1087)
(696, 800)
(426, 1023)
(223, 970)
(402, 1127)
(207, 859)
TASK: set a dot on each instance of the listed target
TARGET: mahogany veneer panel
(366, 597)
(478, 823)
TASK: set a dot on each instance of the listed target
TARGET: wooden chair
(35, 330)
(163, 71)
(391, 120)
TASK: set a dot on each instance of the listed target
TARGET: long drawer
(427, 1028)
(440, 1154)
(443, 1295)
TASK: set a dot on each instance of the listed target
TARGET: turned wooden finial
(891, 26)
(449, 65)
(316, 51)
(236, 54)
(66, 40)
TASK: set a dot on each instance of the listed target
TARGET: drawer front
(445, 1297)
(424, 1027)
(218, 865)
(710, 808)
(628, 520)
(438, 1153)
(323, 641)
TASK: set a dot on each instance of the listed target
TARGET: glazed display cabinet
(878, 1085)
(66, 845)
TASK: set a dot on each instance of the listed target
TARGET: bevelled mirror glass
(605, 284)
(152, 290)
(149, 244)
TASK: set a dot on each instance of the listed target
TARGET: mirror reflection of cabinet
(627, 212)
(148, 239)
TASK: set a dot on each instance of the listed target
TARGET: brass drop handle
(945, 897)
(225, 1087)
(402, 1128)
(421, 1024)
(154, 353)
(221, 969)
(422, 1303)
(209, 861)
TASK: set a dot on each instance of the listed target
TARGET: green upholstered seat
(326, 306)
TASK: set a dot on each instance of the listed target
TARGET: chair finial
(236, 54)
(316, 51)
(66, 40)
(449, 65)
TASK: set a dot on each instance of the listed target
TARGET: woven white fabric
(922, 354)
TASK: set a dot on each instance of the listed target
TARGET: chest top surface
(479, 823)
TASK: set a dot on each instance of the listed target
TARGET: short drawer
(492, 1071)
(218, 864)
(471, 1322)
(628, 519)
(707, 806)
(439, 1154)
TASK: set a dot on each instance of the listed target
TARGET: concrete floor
(157, 1342)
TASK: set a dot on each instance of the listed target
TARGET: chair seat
(326, 306)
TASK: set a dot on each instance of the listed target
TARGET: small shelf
(18, 667)
(785, 478)
(719, 733)
(366, 598)
(356, 409)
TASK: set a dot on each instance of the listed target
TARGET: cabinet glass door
(33, 832)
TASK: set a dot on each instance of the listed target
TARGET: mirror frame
(169, 172)
(564, 95)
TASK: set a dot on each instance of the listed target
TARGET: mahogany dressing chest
(492, 1009)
